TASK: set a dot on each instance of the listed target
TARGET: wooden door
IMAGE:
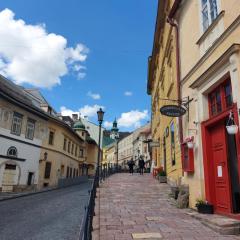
(8, 178)
(222, 184)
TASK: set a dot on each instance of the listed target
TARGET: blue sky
(82, 54)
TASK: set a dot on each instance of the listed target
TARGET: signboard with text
(172, 110)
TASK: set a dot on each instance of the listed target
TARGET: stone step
(221, 224)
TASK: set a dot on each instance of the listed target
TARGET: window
(51, 138)
(47, 170)
(215, 102)
(12, 152)
(76, 149)
(220, 98)
(209, 12)
(72, 148)
(64, 144)
(68, 172)
(173, 157)
(69, 146)
(81, 152)
(30, 129)
(228, 94)
(16, 123)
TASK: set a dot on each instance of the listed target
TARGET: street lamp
(100, 114)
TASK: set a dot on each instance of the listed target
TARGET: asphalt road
(53, 215)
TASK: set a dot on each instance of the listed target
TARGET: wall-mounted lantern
(190, 142)
(231, 127)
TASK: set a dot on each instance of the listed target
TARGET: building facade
(22, 130)
(125, 150)
(210, 76)
(163, 88)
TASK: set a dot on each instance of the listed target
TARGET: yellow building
(209, 46)
(63, 152)
(163, 87)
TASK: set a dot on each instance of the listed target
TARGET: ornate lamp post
(100, 114)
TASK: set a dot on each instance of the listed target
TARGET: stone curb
(34, 193)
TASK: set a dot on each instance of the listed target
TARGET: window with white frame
(209, 12)
(30, 129)
(16, 123)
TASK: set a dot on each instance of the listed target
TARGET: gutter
(172, 21)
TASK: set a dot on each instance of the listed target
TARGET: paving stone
(140, 205)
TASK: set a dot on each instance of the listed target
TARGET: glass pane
(205, 20)
(213, 9)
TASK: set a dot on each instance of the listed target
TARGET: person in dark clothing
(141, 165)
(131, 165)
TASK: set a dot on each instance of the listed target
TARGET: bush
(162, 173)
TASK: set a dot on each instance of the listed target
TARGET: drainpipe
(174, 24)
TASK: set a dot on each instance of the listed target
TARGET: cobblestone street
(134, 205)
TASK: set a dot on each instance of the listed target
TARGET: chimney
(75, 116)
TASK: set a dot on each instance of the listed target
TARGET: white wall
(25, 151)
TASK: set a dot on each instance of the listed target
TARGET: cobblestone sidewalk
(138, 207)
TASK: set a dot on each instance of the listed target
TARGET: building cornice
(216, 65)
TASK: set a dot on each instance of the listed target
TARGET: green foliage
(200, 202)
(162, 173)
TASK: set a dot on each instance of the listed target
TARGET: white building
(125, 150)
(140, 147)
(22, 128)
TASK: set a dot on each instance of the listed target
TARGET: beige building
(63, 152)
(125, 150)
(210, 76)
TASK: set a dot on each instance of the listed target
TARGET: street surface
(53, 215)
(133, 205)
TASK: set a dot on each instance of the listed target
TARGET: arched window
(12, 152)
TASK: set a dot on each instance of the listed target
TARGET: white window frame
(210, 20)
(16, 124)
(30, 128)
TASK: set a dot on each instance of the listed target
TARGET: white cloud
(29, 54)
(128, 93)
(67, 112)
(95, 96)
(81, 75)
(132, 118)
(90, 111)
(107, 124)
(87, 110)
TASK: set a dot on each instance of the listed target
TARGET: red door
(220, 167)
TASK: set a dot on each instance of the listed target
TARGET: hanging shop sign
(172, 110)
(154, 144)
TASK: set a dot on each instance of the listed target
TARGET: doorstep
(221, 224)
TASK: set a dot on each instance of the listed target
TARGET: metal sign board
(172, 110)
(154, 144)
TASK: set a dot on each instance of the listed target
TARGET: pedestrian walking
(131, 165)
(141, 165)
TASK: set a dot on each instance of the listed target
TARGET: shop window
(30, 129)
(12, 152)
(188, 161)
(220, 98)
(48, 167)
(16, 124)
(68, 172)
(173, 154)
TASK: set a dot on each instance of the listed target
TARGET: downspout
(174, 24)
